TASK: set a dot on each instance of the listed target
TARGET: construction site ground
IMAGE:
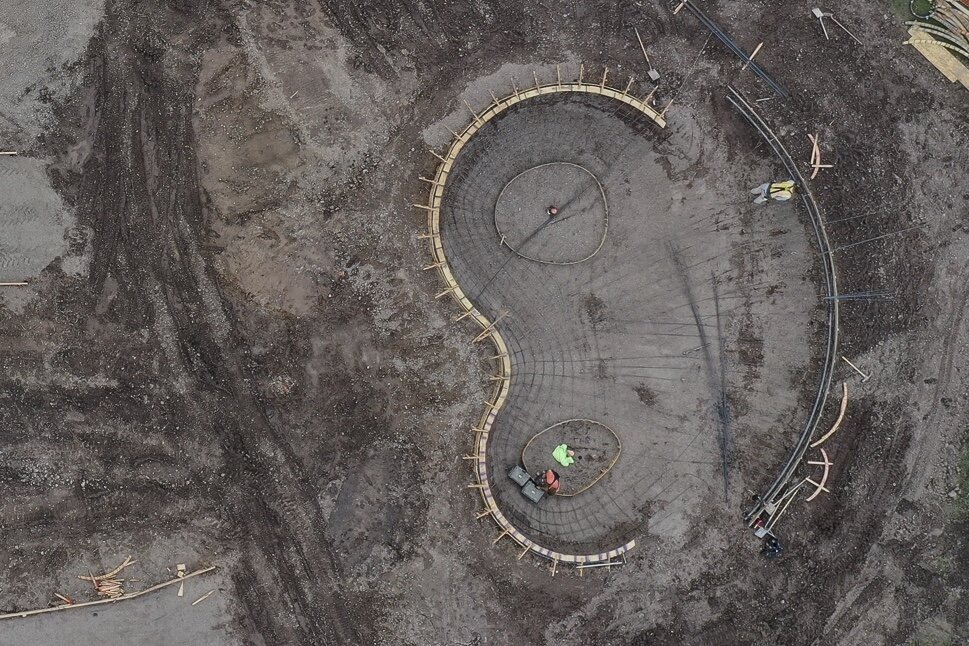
(228, 352)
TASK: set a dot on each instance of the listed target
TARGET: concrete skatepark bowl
(645, 305)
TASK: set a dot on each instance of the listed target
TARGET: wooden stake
(203, 597)
(819, 486)
(751, 59)
(666, 108)
(471, 110)
(864, 377)
(816, 155)
(487, 330)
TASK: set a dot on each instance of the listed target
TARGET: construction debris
(180, 569)
(106, 585)
(950, 26)
(203, 597)
(837, 423)
(754, 53)
(124, 597)
(128, 561)
(947, 33)
(816, 155)
(864, 377)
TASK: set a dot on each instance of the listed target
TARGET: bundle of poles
(946, 25)
(734, 48)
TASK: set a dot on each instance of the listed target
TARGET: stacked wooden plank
(108, 585)
(944, 39)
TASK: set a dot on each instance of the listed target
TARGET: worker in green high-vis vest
(564, 455)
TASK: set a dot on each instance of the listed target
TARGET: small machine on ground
(528, 486)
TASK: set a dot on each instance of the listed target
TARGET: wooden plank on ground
(944, 60)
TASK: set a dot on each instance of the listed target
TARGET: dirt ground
(228, 352)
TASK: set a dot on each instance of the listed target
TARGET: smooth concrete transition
(650, 336)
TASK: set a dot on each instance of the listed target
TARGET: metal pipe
(831, 286)
(606, 564)
(732, 46)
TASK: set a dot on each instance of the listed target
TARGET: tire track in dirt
(929, 443)
(140, 193)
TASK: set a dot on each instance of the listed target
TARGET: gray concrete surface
(33, 219)
(615, 338)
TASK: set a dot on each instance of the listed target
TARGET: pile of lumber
(107, 585)
(943, 38)
(108, 588)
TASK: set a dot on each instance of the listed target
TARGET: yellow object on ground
(782, 191)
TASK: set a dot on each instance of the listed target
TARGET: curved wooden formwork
(494, 403)
(820, 486)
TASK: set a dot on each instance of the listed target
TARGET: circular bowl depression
(574, 234)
